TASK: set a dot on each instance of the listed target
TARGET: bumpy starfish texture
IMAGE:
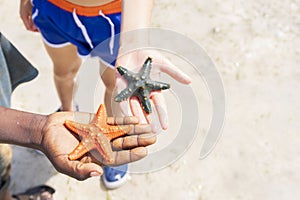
(96, 135)
(140, 85)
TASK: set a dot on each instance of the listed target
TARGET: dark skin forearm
(48, 134)
(21, 128)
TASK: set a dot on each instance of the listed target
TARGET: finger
(124, 105)
(152, 120)
(25, 22)
(161, 109)
(80, 117)
(137, 110)
(125, 108)
(133, 141)
(143, 116)
(127, 156)
(85, 118)
(122, 120)
(169, 68)
(33, 27)
(139, 129)
(30, 24)
(136, 129)
(81, 171)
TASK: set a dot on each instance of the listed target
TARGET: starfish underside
(96, 135)
(140, 85)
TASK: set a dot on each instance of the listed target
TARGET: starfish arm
(78, 152)
(144, 98)
(127, 75)
(146, 105)
(100, 117)
(125, 94)
(78, 128)
(156, 85)
(112, 132)
(103, 146)
(145, 70)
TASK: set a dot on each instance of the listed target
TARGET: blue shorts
(94, 30)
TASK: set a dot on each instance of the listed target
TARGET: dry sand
(256, 47)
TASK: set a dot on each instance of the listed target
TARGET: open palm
(57, 142)
(133, 61)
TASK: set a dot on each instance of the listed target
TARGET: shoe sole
(115, 184)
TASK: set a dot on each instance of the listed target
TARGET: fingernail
(95, 174)
(164, 124)
(155, 128)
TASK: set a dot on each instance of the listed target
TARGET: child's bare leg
(66, 64)
(108, 78)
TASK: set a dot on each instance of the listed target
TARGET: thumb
(82, 171)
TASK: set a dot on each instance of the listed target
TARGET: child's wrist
(135, 39)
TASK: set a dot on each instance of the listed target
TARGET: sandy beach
(255, 46)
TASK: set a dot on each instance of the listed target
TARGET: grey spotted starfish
(140, 85)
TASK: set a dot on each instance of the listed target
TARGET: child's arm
(137, 15)
(25, 11)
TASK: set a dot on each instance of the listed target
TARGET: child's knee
(108, 78)
(62, 72)
(109, 83)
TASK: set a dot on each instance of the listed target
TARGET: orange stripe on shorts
(109, 8)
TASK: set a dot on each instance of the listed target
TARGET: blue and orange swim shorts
(94, 30)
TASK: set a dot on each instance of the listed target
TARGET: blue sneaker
(114, 177)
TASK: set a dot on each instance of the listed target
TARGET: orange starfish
(96, 135)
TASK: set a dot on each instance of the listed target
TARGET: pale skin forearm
(21, 128)
(136, 14)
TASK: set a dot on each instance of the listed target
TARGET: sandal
(42, 192)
